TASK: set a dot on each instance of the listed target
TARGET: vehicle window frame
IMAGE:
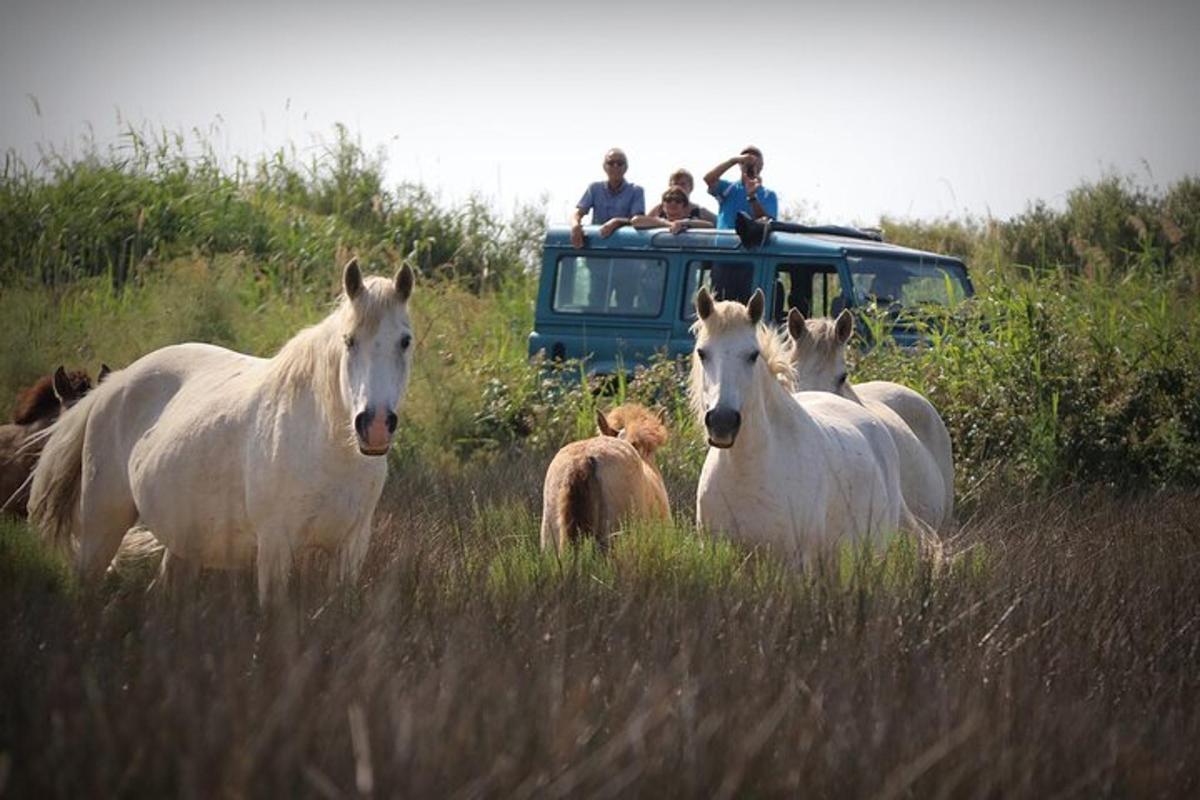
(812, 268)
(687, 309)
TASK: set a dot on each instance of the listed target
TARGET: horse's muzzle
(374, 431)
(722, 425)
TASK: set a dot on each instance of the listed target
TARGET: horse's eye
(752, 357)
(349, 340)
(405, 341)
(700, 352)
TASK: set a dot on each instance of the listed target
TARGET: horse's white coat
(818, 355)
(804, 471)
(231, 459)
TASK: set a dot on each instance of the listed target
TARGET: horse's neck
(308, 368)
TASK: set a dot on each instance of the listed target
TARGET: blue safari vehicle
(616, 302)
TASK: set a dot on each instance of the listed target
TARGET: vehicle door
(727, 276)
(607, 306)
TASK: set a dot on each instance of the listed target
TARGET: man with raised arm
(747, 195)
(613, 202)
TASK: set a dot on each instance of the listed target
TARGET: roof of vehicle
(779, 243)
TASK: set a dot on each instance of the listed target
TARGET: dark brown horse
(36, 409)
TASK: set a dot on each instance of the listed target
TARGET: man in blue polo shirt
(615, 199)
(748, 194)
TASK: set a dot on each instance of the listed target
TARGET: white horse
(231, 459)
(818, 355)
(786, 473)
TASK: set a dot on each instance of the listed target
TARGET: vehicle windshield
(895, 284)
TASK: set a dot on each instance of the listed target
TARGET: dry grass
(1056, 658)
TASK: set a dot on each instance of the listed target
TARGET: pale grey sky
(862, 108)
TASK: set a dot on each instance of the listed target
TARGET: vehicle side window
(895, 284)
(724, 279)
(815, 289)
(622, 286)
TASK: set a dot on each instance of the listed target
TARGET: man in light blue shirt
(748, 194)
(614, 201)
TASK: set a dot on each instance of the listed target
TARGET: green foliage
(1076, 362)
(26, 567)
(1053, 379)
(160, 196)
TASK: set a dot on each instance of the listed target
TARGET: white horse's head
(377, 345)
(818, 351)
(732, 350)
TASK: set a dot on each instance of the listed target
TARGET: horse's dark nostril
(391, 422)
(360, 424)
(723, 420)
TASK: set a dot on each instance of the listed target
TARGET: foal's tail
(580, 506)
(54, 494)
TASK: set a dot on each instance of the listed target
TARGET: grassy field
(1053, 655)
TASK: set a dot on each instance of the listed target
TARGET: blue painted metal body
(617, 301)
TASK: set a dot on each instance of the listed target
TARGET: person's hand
(679, 226)
(577, 235)
(607, 228)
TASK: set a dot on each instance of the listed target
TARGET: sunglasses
(614, 163)
(674, 200)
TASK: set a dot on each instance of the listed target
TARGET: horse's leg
(354, 551)
(174, 575)
(107, 512)
(274, 562)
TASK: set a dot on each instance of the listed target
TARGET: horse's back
(188, 379)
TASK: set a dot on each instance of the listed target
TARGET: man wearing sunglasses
(747, 195)
(615, 200)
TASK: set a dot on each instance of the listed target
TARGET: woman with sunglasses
(675, 212)
(683, 179)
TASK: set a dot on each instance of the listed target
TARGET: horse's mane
(39, 401)
(728, 315)
(643, 429)
(310, 360)
(821, 342)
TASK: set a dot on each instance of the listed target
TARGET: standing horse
(231, 459)
(818, 354)
(36, 409)
(782, 472)
(594, 485)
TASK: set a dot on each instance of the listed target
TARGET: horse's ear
(62, 385)
(704, 303)
(105, 371)
(796, 327)
(404, 282)
(602, 424)
(758, 302)
(844, 326)
(352, 280)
